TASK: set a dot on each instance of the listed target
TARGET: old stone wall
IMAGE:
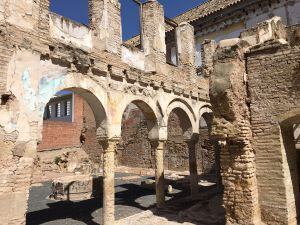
(254, 90)
(274, 88)
(37, 62)
(231, 125)
(135, 147)
(91, 144)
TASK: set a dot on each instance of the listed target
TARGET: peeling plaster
(47, 89)
(29, 96)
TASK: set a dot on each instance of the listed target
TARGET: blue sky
(130, 12)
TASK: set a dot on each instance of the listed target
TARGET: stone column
(186, 48)
(153, 35)
(109, 148)
(105, 22)
(159, 148)
(193, 166)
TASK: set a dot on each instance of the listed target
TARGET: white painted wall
(70, 33)
(133, 57)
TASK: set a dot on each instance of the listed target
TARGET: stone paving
(134, 205)
(131, 199)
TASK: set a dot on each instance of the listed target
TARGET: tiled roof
(205, 9)
(200, 11)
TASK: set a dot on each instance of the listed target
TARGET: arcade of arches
(137, 100)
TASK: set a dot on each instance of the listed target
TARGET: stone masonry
(255, 98)
(43, 53)
(252, 82)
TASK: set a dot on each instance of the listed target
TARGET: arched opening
(180, 155)
(135, 149)
(290, 134)
(67, 177)
(135, 173)
(179, 130)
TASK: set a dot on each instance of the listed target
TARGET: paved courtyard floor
(135, 205)
(131, 199)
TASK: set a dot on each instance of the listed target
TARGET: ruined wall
(90, 143)
(37, 62)
(231, 126)
(274, 87)
(255, 98)
(135, 147)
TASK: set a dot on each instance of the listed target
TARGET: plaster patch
(30, 94)
(48, 87)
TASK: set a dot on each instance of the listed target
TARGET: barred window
(68, 108)
(58, 110)
(49, 111)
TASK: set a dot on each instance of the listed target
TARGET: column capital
(192, 139)
(109, 145)
(158, 144)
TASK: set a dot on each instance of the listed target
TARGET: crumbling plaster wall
(35, 65)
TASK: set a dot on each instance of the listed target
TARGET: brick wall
(59, 134)
(274, 84)
(135, 149)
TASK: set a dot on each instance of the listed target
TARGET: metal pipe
(141, 21)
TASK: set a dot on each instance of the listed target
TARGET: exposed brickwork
(274, 85)
(232, 127)
(59, 134)
(135, 147)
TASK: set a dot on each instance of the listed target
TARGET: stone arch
(186, 111)
(289, 117)
(204, 110)
(207, 148)
(289, 137)
(147, 106)
(92, 93)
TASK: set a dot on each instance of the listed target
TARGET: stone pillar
(208, 50)
(232, 127)
(44, 17)
(193, 166)
(186, 48)
(159, 148)
(105, 21)
(109, 148)
(153, 35)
